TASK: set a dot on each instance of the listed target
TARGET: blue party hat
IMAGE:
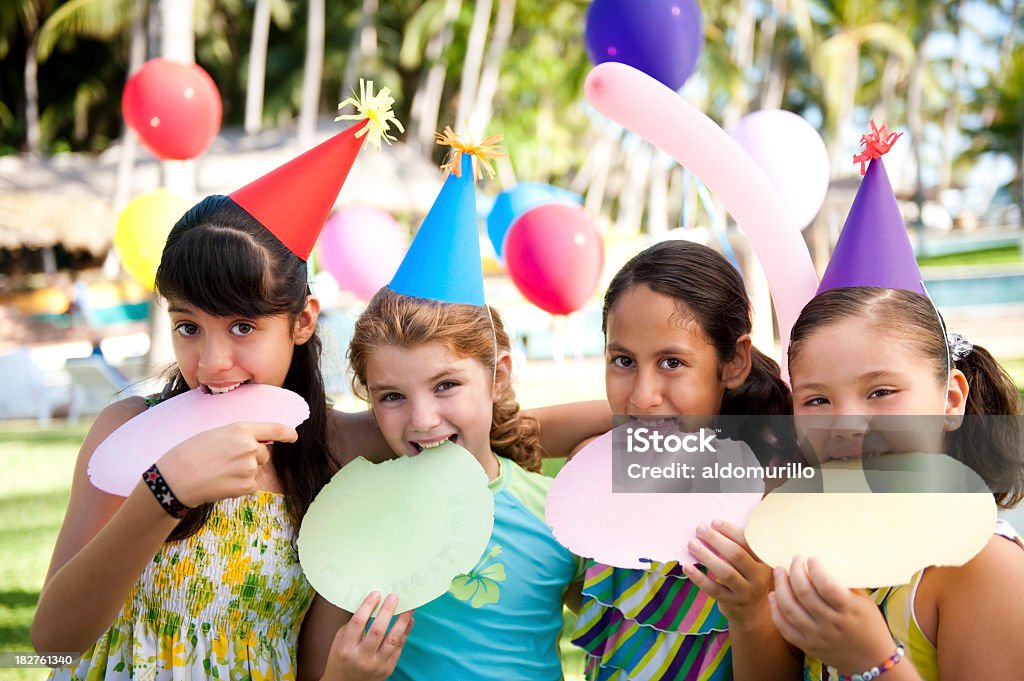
(874, 248)
(443, 262)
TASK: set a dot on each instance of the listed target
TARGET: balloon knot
(485, 152)
(376, 110)
(875, 144)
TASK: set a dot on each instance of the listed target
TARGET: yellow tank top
(897, 605)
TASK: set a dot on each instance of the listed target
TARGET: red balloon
(175, 108)
(554, 255)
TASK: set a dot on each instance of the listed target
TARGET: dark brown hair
(991, 447)
(710, 291)
(464, 330)
(222, 260)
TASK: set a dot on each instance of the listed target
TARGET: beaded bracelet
(877, 671)
(162, 491)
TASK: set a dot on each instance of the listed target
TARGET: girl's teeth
(652, 423)
(221, 391)
(431, 445)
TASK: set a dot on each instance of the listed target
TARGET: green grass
(987, 256)
(37, 467)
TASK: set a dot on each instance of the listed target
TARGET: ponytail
(992, 446)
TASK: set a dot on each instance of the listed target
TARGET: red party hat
(294, 200)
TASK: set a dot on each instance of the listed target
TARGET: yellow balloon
(142, 230)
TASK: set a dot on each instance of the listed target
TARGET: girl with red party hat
(195, 572)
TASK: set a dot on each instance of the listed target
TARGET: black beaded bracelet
(162, 491)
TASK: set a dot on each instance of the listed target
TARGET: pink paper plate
(118, 463)
(631, 529)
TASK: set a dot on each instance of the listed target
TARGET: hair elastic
(959, 347)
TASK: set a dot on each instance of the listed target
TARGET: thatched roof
(68, 199)
(37, 219)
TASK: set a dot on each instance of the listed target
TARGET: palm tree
(312, 72)
(103, 20)
(435, 18)
(26, 16)
(483, 101)
(257, 67)
(836, 60)
(474, 57)
(363, 47)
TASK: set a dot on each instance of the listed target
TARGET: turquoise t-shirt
(504, 618)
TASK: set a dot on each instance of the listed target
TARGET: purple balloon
(662, 38)
(362, 247)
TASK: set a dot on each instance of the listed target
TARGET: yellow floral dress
(226, 603)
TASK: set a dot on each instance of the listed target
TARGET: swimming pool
(1000, 288)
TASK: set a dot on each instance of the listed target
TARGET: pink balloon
(362, 248)
(118, 463)
(793, 156)
(589, 517)
(640, 103)
(554, 255)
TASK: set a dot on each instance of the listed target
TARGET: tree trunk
(503, 24)
(631, 200)
(891, 75)
(742, 51)
(426, 105)
(129, 142)
(988, 114)
(32, 128)
(257, 68)
(657, 202)
(844, 105)
(767, 29)
(915, 120)
(177, 30)
(604, 153)
(474, 57)
(363, 48)
(177, 42)
(312, 72)
(951, 118)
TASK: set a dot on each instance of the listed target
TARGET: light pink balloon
(640, 103)
(118, 463)
(793, 156)
(362, 248)
(629, 529)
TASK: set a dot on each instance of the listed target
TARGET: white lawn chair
(94, 385)
(24, 391)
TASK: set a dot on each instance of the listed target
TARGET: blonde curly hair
(464, 330)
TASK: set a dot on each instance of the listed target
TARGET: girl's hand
(221, 463)
(736, 579)
(358, 654)
(841, 627)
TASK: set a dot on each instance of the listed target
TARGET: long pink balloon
(642, 104)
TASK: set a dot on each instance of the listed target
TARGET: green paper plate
(407, 526)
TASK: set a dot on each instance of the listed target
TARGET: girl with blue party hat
(433, 360)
